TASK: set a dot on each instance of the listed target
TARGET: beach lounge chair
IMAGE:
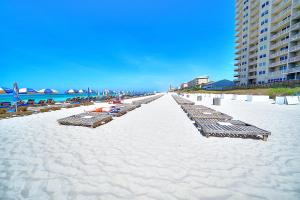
(41, 103)
(88, 119)
(5, 104)
(208, 115)
(201, 121)
(31, 102)
(50, 101)
(227, 129)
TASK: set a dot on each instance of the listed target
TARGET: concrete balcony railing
(282, 13)
(276, 73)
(280, 33)
(279, 7)
(295, 26)
(252, 77)
(237, 69)
(295, 48)
(280, 24)
(253, 62)
(295, 37)
(254, 40)
(294, 59)
(296, 3)
(280, 43)
(236, 75)
(274, 55)
(254, 55)
(237, 64)
(296, 14)
(275, 64)
(252, 69)
(253, 48)
(294, 69)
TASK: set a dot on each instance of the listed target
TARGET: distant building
(184, 85)
(199, 81)
(219, 85)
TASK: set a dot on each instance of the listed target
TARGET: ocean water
(38, 97)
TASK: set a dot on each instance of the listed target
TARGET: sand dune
(154, 152)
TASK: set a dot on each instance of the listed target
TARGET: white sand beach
(153, 152)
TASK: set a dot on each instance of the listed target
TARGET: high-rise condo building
(267, 41)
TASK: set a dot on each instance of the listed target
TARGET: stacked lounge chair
(182, 101)
(90, 119)
(214, 123)
(95, 119)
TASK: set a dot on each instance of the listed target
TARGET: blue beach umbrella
(27, 91)
(5, 90)
(48, 91)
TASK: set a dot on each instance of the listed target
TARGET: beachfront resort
(206, 136)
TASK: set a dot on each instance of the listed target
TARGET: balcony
(237, 64)
(253, 62)
(236, 75)
(296, 3)
(293, 70)
(252, 69)
(252, 77)
(280, 43)
(280, 7)
(237, 69)
(253, 48)
(282, 14)
(295, 26)
(281, 24)
(280, 53)
(254, 40)
(294, 59)
(284, 32)
(296, 15)
(254, 55)
(295, 48)
(295, 37)
(276, 73)
(275, 64)
(236, 80)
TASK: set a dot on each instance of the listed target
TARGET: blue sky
(116, 44)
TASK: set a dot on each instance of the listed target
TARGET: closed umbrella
(27, 91)
(5, 90)
(16, 97)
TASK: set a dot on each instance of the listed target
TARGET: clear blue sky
(116, 44)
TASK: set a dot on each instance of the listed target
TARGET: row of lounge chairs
(95, 119)
(214, 123)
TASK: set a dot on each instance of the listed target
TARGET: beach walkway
(153, 152)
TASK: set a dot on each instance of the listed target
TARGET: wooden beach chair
(89, 119)
(227, 129)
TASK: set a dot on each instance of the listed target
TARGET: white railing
(253, 62)
(295, 48)
(296, 14)
(279, 7)
(294, 59)
(273, 55)
(287, 20)
(295, 37)
(282, 62)
(279, 15)
(282, 42)
(295, 26)
(253, 48)
(280, 33)
(294, 69)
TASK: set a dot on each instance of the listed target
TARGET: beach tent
(4, 90)
(27, 91)
(82, 91)
(71, 91)
(48, 91)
